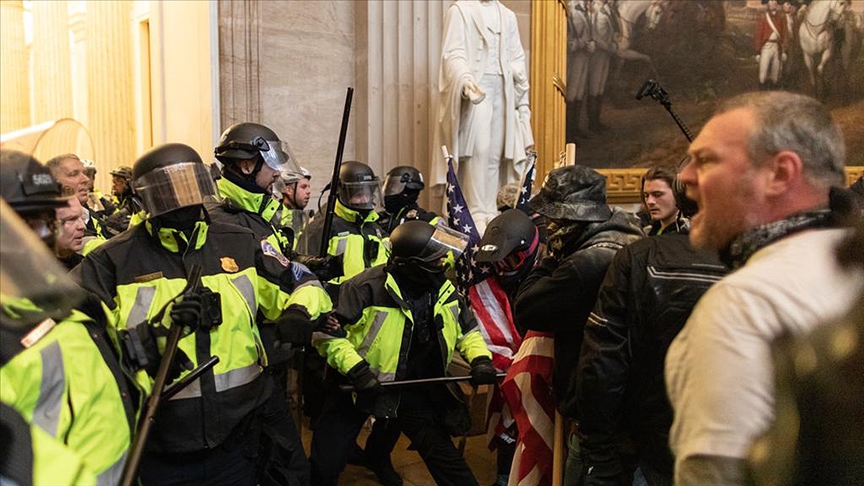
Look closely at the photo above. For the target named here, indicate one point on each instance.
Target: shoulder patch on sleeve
(301, 272)
(274, 252)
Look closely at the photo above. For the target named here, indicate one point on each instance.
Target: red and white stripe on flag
(528, 390)
(492, 310)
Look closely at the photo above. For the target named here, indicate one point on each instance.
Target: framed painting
(699, 52)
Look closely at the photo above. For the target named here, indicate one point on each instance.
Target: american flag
(488, 301)
(528, 390)
(527, 183)
(469, 271)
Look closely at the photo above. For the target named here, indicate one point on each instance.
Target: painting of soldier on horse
(702, 52)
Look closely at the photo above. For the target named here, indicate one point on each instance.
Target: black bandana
(746, 244)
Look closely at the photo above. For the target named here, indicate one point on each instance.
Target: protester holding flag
(510, 242)
(584, 233)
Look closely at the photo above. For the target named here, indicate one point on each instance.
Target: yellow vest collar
(168, 236)
(259, 203)
(351, 215)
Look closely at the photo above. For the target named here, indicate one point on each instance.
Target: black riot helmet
(244, 141)
(26, 184)
(359, 187)
(172, 176)
(403, 178)
(510, 241)
(422, 245)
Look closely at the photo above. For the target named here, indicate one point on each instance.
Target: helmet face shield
(175, 186)
(34, 285)
(360, 195)
(443, 241)
(277, 155)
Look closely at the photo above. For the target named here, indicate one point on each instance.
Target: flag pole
(558, 451)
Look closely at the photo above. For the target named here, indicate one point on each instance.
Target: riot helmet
(244, 141)
(35, 286)
(26, 184)
(419, 244)
(359, 187)
(510, 241)
(403, 178)
(172, 176)
(28, 187)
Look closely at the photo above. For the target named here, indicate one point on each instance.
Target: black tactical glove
(364, 380)
(140, 351)
(294, 326)
(325, 268)
(187, 313)
(482, 371)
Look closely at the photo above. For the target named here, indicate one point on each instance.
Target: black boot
(595, 103)
(574, 112)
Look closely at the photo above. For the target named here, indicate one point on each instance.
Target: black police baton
(421, 381)
(130, 469)
(653, 89)
(334, 180)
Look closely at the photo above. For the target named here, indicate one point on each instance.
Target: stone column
(14, 64)
(398, 54)
(78, 49)
(52, 69)
(109, 82)
(239, 68)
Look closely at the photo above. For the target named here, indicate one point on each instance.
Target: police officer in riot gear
(409, 319)
(64, 375)
(401, 189)
(253, 159)
(356, 234)
(30, 455)
(207, 433)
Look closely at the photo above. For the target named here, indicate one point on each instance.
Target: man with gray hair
(766, 173)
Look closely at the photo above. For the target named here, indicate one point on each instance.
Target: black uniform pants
(340, 422)
(231, 463)
(283, 459)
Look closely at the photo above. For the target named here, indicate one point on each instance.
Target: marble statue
(484, 119)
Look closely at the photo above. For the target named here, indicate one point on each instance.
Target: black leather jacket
(648, 293)
(559, 294)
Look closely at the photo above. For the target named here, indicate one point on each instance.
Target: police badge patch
(274, 252)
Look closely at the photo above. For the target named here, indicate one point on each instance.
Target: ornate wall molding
(623, 185)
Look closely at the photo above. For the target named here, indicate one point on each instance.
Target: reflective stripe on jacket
(64, 385)
(361, 240)
(140, 271)
(261, 213)
(379, 324)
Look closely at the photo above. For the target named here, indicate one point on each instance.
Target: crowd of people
(663, 326)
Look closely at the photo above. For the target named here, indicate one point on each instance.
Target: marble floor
(411, 467)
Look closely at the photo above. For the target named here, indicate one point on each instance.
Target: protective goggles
(360, 195)
(516, 259)
(175, 186)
